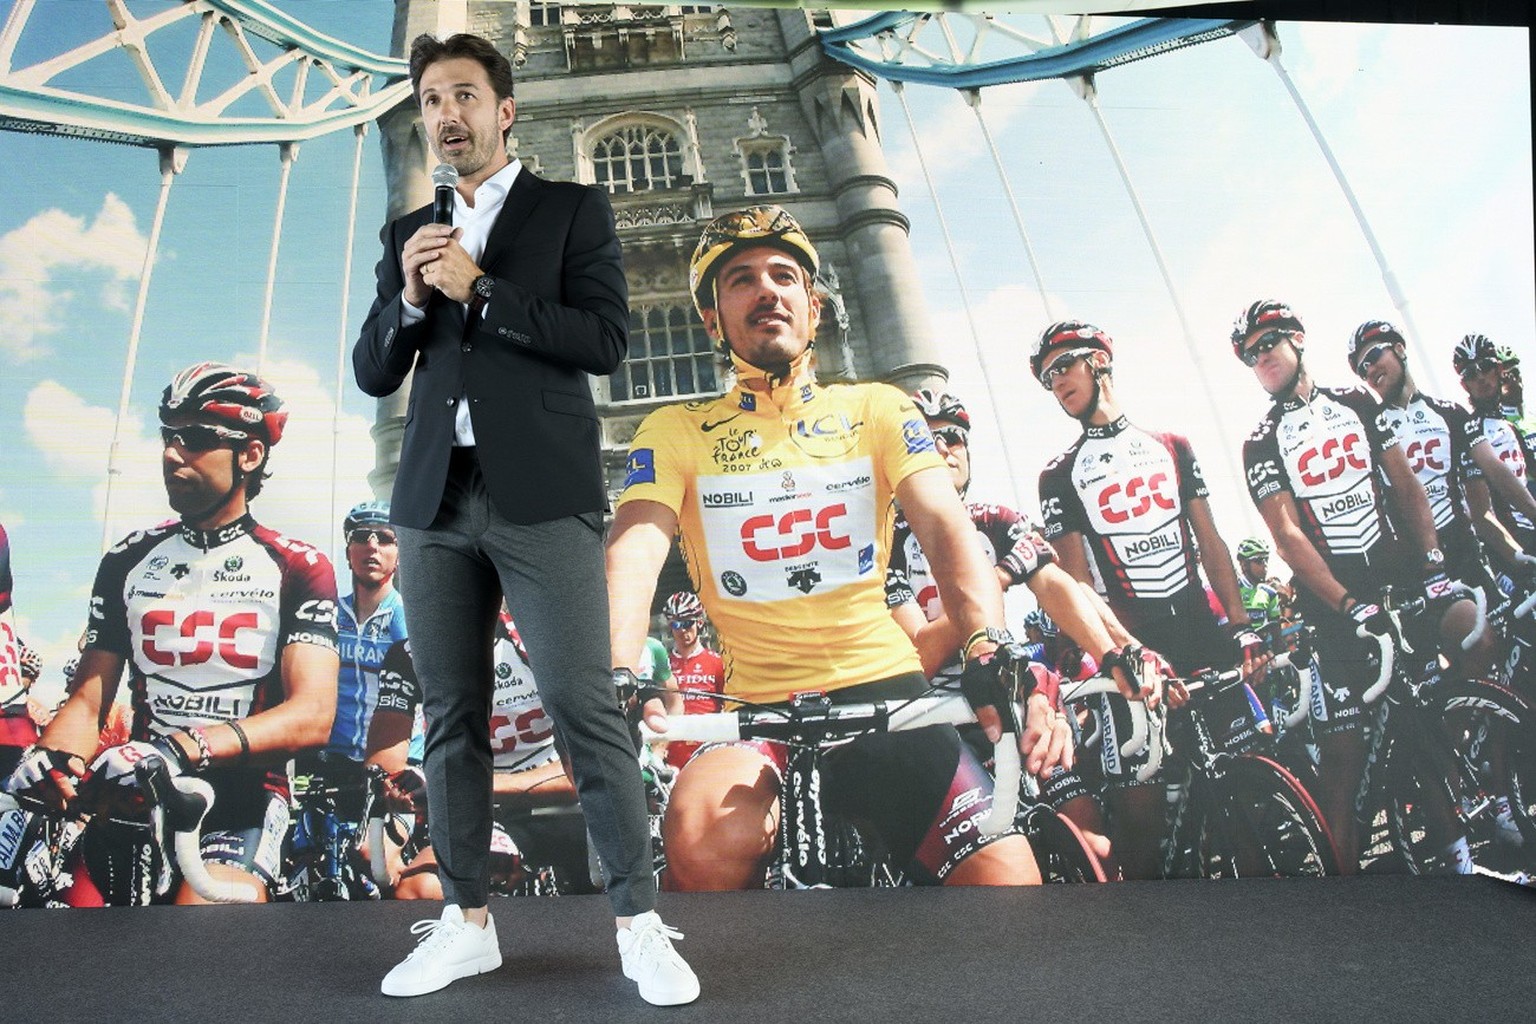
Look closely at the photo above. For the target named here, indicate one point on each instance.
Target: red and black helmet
(1068, 334)
(240, 402)
(1370, 334)
(941, 405)
(1265, 315)
(1471, 350)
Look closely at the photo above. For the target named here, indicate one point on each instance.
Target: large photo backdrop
(209, 187)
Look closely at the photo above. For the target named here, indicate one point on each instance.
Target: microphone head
(445, 175)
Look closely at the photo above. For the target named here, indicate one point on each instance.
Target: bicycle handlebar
(1388, 661)
(179, 805)
(1141, 728)
(840, 721)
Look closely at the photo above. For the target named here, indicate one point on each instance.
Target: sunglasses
(1062, 364)
(1368, 360)
(200, 437)
(684, 624)
(953, 437)
(1266, 342)
(363, 534)
(1479, 367)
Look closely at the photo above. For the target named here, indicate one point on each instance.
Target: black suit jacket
(560, 310)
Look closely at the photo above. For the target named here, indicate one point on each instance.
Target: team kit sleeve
(308, 606)
(1261, 464)
(1191, 478)
(107, 623)
(904, 442)
(1060, 510)
(398, 688)
(656, 470)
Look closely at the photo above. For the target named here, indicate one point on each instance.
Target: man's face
(464, 120)
(372, 554)
(1481, 382)
(1385, 370)
(1511, 388)
(1277, 358)
(954, 447)
(198, 464)
(1072, 382)
(765, 308)
(1256, 568)
(684, 633)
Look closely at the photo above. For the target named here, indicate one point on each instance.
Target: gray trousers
(453, 575)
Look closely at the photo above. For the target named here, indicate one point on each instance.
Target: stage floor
(1369, 948)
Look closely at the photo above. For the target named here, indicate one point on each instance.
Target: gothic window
(540, 14)
(638, 157)
(766, 168)
(669, 356)
(767, 172)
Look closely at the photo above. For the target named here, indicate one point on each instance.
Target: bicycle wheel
(1489, 728)
(1060, 850)
(1421, 787)
(1258, 821)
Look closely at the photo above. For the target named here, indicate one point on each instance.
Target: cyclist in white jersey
(227, 632)
(1477, 363)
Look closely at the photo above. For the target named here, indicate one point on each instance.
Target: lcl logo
(1121, 502)
(1336, 456)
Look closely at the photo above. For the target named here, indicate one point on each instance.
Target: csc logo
(530, 728)
(1118, 503)
(794, 534)
(196, 639)
(1336, 456)
(1426, 455)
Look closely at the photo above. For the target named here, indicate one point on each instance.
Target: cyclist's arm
(1502, 482)
(389, 740)
(300, 722)
(1072, 556)
(1118, 634)
(638, 543)
(1409, 502)
(544, 786)
(1280, 515)
(76, 727)
(1217, 561)
(1496, 539)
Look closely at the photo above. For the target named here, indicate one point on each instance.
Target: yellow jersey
(786, 501)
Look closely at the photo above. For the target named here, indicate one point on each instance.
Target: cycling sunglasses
(363, 534)
(685, 624)
(201, 437)
(953, 437)
(1368, 360)
(1481, 366)
(1266, 342)
(1062, 364)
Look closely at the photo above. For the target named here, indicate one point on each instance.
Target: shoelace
(434, 932)
(654, 939)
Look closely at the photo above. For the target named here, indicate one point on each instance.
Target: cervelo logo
(197, 638)
(1336, 455)
(1426, 455)
(794, 534)
(1119, 503)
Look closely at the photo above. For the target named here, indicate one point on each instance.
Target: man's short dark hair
(427, 49)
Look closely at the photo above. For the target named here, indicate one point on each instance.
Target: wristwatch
(1434, 560)
(480, 293)
(990, 634)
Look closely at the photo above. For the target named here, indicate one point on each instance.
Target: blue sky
(1431, 123)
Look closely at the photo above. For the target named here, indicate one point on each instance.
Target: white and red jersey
(998, 530)
(1127, 491)
(1437, 437)
(202, 617)
(1511, 449)
(13, 685)
(1323, 452)
(701, 671)
(522, 734)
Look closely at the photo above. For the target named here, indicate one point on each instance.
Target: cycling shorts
(1183, 631)
(923, 793)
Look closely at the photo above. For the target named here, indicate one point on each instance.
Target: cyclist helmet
(31, 662)
(941, 406)
(1506, 356)
(1372, 332)
(684, 606)
(241, 403)
(756, 225)
(1266, 314)
(1253, 547)
(1068, 334)
(1472, 349)
(366, 513)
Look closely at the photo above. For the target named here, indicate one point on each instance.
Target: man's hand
(421, 251)
(115, 765)
(50, 775)
(1255, 663)
(1438, 586)
(406, 790)
(1047, 740)
(1370, 619)
(997, 683)
(453, 273)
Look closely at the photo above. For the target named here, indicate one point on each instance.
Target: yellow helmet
(756, 225)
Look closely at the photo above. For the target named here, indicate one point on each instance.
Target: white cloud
(31, 302)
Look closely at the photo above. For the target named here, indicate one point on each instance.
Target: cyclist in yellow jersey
(782, 491)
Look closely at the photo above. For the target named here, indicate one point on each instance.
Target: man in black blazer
(500, 490)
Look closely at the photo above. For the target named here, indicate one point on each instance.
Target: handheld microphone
(445, 178)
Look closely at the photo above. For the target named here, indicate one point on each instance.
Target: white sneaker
(645, 949)
(450, 948)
